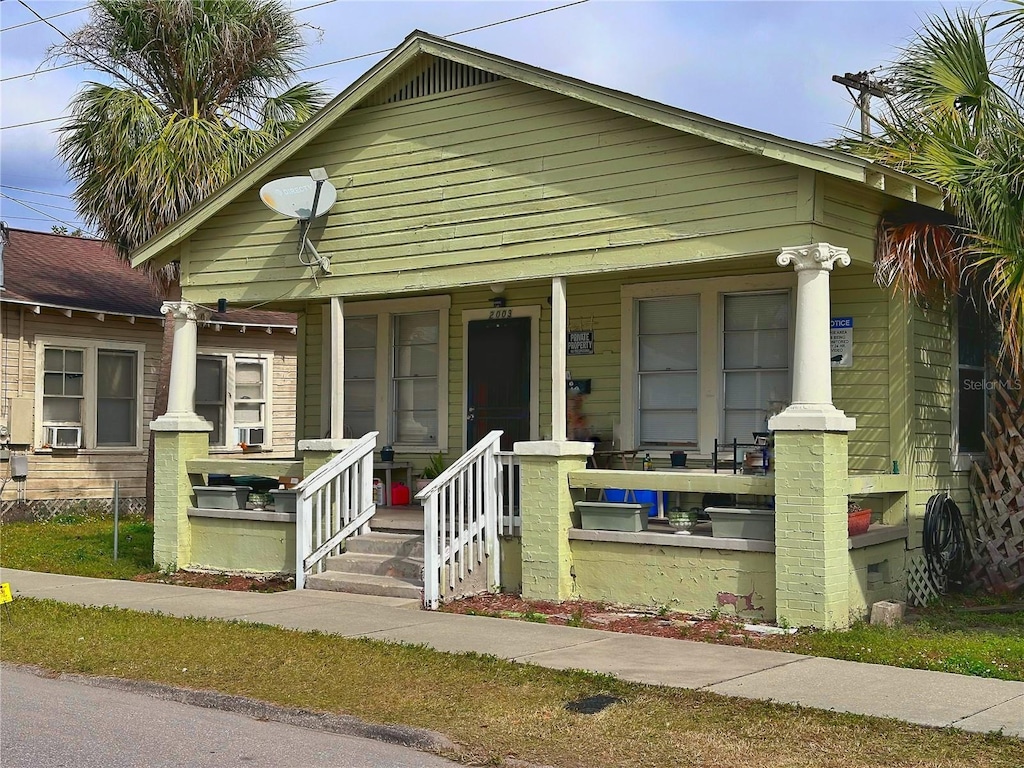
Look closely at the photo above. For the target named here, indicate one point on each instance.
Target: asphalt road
(46, 723)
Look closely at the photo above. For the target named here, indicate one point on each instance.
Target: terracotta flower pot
(858, 522)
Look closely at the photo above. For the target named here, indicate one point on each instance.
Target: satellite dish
(293, 197)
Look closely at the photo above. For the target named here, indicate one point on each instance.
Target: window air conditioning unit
(62, 437)
(251, 436)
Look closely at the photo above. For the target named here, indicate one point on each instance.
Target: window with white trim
(710, 359)
(233, 394)
(88, 394)
(395, 351)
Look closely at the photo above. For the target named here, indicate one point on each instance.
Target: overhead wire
(36, 21)
(44, 213)
(35, 191)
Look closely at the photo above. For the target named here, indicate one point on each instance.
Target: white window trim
(89, 390)
(531, 311)
(231, 356)
(711, 292)
(384, 310)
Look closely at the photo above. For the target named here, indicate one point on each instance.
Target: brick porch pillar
(546, 506)
(811, 460)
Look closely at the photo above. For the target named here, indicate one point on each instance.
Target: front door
(498, 380)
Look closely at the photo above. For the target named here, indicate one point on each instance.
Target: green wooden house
(607, 282)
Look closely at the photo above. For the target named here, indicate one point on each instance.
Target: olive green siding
(932, 440)
(502, 176)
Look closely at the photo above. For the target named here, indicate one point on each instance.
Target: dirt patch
(220, 581)
(711, 627)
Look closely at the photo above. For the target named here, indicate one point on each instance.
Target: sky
(764, 65)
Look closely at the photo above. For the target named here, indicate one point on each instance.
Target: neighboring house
(489, 208)
(80, 347)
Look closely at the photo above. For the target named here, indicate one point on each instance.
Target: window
(414, 379)
(394, 353)
(755, 348)
(668, 370)
(360, 370)
(710, 359)
(971, 392)
(89, 395)
(232, 394)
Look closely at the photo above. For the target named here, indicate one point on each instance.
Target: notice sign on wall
(580, 343)
(842, 342)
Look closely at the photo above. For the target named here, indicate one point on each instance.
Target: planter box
(730, 523)
(612, 516)
(284, 500)
(221, 496)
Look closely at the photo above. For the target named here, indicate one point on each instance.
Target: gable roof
(797, 153)
(76, 273)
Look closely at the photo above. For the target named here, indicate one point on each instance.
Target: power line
(36, 21)
(36, 191)
(44, 213)
(34, 122)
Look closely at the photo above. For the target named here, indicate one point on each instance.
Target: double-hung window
(232, 393)
(704, 359)
(394, 353)
(755, 347)
(89, 394)
(668, 370)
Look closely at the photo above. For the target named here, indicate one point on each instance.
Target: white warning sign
(842, 342)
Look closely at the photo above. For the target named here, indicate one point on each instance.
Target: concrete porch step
(365, 584)
(404, 545)
(407, 519)
(377, 565)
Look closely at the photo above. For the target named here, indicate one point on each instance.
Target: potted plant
(433, 468)
(683, 520)
(858, 519)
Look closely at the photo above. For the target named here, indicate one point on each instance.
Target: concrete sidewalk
(916, 696)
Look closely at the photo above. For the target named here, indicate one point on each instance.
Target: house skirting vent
(428, 76)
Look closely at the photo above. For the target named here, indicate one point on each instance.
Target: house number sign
(580, 343)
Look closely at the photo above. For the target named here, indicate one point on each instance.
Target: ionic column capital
(817, 256)
(185, 310)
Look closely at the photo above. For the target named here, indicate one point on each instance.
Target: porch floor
(408, 518)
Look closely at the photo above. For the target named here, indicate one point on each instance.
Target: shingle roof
(86, 274)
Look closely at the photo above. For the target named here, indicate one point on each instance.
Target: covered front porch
(510, 518)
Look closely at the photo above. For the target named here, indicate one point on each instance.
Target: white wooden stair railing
(462, 510)
(333, 503)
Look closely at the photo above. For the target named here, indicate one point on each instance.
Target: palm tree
(955, 117)
(199, 90)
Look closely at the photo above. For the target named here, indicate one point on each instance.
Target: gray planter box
(221, 496)
(284, 500)
(612, 516)
(730, 523)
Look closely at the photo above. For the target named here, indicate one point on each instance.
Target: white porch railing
(461, 516)
(508, 490)
(333, 503)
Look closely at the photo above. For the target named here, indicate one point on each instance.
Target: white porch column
(811, 407)
(181, 415)
(558, 329)
(337, 364)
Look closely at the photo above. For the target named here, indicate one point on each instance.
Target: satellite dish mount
(304, 198)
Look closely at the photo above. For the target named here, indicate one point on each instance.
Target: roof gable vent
(428, 76)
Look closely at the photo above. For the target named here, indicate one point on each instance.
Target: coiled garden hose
(946, 550)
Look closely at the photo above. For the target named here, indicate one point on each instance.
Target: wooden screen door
(498, 380)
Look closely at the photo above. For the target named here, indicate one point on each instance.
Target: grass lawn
(492, 708)
(79, 545)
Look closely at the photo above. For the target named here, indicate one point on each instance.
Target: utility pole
(866, 87)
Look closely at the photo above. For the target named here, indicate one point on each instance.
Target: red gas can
(400, 495)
